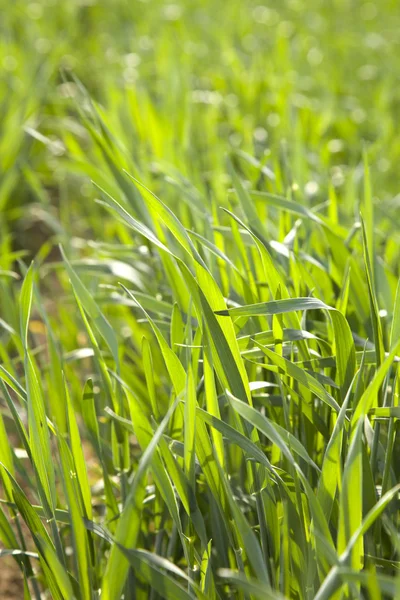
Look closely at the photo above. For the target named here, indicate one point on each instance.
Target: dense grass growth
(198, 371)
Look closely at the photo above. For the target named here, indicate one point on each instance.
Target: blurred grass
(304, 88)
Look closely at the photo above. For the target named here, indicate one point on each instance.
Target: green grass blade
(129, 522)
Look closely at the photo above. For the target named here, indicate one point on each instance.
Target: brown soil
(11, 582)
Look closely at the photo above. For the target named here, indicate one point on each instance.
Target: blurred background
(302, 87)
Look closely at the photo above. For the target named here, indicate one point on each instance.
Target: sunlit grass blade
(91, 308)
(129, 522)
(350, 504)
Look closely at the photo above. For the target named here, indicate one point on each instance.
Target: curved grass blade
(250, 586)
(345, 351)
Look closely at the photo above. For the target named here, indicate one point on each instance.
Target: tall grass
(199, 388)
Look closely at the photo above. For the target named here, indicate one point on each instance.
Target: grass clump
(198, 370)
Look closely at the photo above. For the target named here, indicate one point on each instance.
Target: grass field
(199, 299)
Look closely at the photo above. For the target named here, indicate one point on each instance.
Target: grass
(198, 370)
